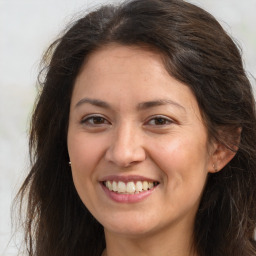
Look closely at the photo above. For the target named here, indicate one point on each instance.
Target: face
(137, 143)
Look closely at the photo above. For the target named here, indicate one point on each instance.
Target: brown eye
(97, 120)
(159, 120)
(94, 121)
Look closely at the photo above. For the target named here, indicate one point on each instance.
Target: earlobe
(215, 168)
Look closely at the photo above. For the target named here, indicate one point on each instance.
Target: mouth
(130, 187)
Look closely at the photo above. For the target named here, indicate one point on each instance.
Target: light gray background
(26, 29)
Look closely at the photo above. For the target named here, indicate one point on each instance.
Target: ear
(221, 154)
(220, 157)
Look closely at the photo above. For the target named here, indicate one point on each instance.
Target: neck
(172, 243)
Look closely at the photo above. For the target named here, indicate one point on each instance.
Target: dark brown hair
(196, 51)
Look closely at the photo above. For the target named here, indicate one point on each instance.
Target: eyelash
(166, 120)
(87, 120)
(163, 121)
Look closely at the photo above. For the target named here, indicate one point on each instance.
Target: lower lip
(127, 198)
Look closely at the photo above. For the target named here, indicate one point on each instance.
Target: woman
(143, 138)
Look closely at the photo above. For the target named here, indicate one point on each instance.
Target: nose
(126, 147)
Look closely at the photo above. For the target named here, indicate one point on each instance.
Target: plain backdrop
(26, 28)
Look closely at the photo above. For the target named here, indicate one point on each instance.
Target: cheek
(184, 164)
(84, 155)
(183, 160)
(85, 151)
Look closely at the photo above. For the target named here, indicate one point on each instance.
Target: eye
(159, 121)
(95, 120)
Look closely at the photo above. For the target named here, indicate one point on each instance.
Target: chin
(132, 227)
(129, 231)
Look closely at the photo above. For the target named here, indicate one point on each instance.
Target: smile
(131, 187)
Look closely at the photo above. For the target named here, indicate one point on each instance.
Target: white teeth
(109, 185)
(114, 186)
(145, 185)
(121, 187)
(150, 185)
(139, 186)
(130, 187)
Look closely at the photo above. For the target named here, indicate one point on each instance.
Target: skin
(167, 143)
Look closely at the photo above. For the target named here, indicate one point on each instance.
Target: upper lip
(127, 178)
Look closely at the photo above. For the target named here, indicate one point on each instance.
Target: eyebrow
(140, 106)
(159, 102)
(95, 102)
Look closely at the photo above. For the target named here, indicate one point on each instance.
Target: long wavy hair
(196, 51)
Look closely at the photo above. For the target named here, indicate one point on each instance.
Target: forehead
(134, 58)
(117, 72)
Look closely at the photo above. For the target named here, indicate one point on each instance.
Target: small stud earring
(215, 168)
(69, 163)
